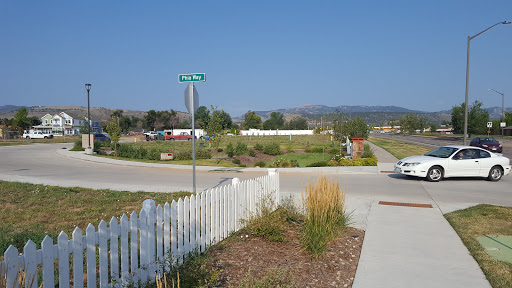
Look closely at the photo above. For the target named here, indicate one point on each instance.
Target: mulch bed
(259, 257)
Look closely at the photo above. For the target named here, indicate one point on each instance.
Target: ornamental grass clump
(325, 217)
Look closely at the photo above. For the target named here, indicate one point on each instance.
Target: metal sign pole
(191, 95)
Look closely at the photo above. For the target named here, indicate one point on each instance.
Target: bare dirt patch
(259, 257)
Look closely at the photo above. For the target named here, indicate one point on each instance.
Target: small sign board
(489, 124)
(503, 124)
(166, 156)
(196, 77)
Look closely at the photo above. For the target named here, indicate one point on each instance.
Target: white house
(61, 124)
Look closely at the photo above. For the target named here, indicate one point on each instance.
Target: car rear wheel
(495, 173)
(28, 137)
(435, 174)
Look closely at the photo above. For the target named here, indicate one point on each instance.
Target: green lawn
(304, 159)
(399, 149)
(479, 221)
(30, 211)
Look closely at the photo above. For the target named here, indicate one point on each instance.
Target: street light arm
(496, 92)
(504, 22)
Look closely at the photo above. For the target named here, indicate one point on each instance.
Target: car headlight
(484, 145)
(412, 164)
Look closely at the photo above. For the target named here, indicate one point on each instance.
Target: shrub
(318, 164)
(333, 163)
(260, 163)
(372, 161)
(317, 150)
(241, 148)
(78, 146)
(284, 164)
(259, 147)
(272, 149)
(230, 150)
(242, 165)
(367, 151)
(220, 150)
(252, 153)
(307, 149)
(333, 151)
(236, 161)
(294, 163)
(325, 203)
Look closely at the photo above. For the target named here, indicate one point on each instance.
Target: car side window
(484, 154)
(472, 154)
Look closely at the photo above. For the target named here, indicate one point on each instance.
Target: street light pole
(467, 82)
(502, 107)
(88, 87)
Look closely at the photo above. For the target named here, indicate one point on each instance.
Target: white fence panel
(63, 244)
(140, 243)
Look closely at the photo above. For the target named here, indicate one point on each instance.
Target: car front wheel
(435, 174)
(495, 174)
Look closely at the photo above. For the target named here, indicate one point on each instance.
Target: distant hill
(322, 109)
(7, 108)
(372, 115)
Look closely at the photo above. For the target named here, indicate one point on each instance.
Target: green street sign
(197, 77)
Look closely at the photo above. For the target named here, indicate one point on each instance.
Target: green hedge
(153, 153)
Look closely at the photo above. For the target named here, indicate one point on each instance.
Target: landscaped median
(274, 151)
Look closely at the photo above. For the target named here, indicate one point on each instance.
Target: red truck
(181, 136)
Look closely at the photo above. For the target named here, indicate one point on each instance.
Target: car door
(467, 165)
(486, 162)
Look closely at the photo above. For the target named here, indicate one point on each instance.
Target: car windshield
(488, 140)
(442, 152)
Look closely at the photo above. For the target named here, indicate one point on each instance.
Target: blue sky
(257, 55)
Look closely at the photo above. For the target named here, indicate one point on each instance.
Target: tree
(356, 127)
(508, 118)
(225, 119)
(117, 114)
(214, 127)
(21, 119)
(114, 132)
(297, 123)
(149, 120)
(252, 121)
(477, 118)
(174, 120)
(409, 123)
(125, 123)
(276, 121)
(202, 116)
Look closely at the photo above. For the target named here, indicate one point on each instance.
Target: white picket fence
(134, 248)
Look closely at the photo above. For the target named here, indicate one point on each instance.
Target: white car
(455, 161)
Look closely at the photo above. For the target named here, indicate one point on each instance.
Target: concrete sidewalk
(411, 246)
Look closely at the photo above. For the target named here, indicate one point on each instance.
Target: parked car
(101, 137)
(455, 161)
(487, 143)
(31, 134)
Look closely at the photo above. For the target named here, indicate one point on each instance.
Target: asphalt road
(41, 164)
